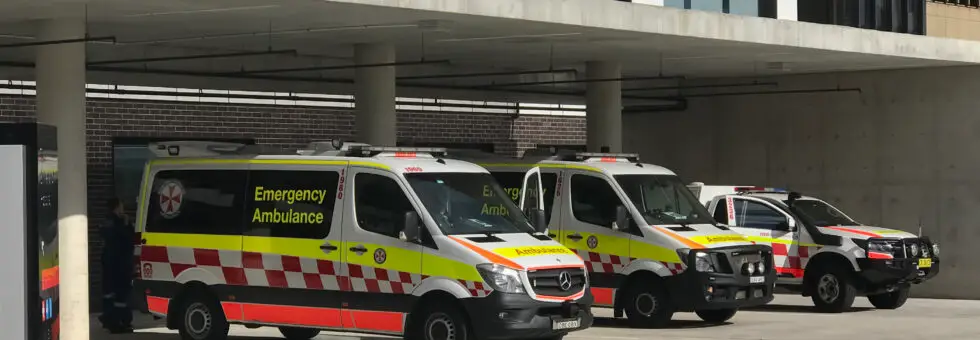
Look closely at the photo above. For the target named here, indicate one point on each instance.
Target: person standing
(117, 269)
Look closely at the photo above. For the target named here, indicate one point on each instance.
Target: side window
(721, 213)
(511, 183)
(593, 200)
(380, 204)
(294, 204)
(749, 214)
(197, 201)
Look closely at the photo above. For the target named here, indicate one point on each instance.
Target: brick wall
(286, 126)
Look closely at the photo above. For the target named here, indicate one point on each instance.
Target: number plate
(757, 279)
(566, 323)
(925, 263)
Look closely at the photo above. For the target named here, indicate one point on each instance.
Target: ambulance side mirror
(791, 224)
(622, 219)
(413, 227)
(539, 220)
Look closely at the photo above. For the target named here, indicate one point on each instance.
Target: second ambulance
(822, 252)
(347, 237)
(650, 247)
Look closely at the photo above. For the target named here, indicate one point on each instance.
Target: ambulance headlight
(500, 278)
(702, 263)
(935, 249)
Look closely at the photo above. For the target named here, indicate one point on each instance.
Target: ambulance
(820, 251)
(347, 237)
(650, 247)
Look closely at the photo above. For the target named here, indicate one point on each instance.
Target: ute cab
(650, 247)
(348, 237)
(822, 252)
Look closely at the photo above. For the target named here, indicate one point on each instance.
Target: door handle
(143, 241)
(328, 247)
(359, 249)
(575, 236)
(552, 235)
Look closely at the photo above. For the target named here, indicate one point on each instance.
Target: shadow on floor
(675, 324)
(797, 309)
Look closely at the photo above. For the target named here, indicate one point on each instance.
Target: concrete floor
(788, 317)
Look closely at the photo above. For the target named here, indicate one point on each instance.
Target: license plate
(566, 324)
(757, 279)
(925, 263)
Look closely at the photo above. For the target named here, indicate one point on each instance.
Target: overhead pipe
(486, 74)
(706, 86)
(727, 94)
(192, 57)
(344, 67)
(575, 81)
(58, 42)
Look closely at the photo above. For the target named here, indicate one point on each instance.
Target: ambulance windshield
(663, 199)
(468, 203)
(821, 214)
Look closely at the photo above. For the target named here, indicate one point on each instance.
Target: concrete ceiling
(324, 32)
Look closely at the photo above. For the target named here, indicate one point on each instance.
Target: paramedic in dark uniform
(117, 269)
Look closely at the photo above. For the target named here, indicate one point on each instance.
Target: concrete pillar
(60, 76)
(604, 106)
(374, 95)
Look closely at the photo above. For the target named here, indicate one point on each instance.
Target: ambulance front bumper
(881, 273)
(726, 288)
(518, 316)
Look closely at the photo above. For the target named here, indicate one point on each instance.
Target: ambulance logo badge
(380, 256)
(171, 195)
(147, 270)
(592, 242)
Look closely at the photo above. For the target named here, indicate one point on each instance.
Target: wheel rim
(440, 327)
(828, 288)
(645, 304)
(197, 320)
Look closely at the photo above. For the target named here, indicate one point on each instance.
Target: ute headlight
(915, 249)
(760, 268)
(881, 247)
(935, 249)
(702, 263)
(500, 278)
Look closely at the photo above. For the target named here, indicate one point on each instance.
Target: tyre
(296, 333)
(892, 300)
(716, 315)
(439, 321)
(833, 291)
(201, 318)
(647, 305)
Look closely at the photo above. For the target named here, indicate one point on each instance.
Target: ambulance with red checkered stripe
(650, 247)
(820, 251)
(349, 237)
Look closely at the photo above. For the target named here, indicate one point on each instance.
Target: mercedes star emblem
(564, 281)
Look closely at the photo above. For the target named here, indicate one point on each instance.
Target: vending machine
(29, 246)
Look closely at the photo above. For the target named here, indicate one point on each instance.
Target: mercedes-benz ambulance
(348, 237)
(650, 247)
(820, 251)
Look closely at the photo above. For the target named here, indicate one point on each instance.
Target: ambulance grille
(546, 282)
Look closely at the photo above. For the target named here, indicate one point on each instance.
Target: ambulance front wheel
(647, 304)
(716, 315)
(440, 321)
(296, 333)
(201, 318)
(833, 290)
(892, 300)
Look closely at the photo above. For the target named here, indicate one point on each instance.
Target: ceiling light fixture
(203, 11)
(505, 37)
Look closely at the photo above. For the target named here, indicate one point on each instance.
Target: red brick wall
(288, 126)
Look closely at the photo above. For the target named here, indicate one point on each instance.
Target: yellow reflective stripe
(647, 251)
(248, 161)
(435, 265)
(611, 245)
(200, 241)
(298, 247)
(780, 241)
(533, 251)
(889, 231)
(712, 239)
(399, 259)
(370, 165)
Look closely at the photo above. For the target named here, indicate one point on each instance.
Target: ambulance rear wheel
(647, 305)
(201, 318)
(441, 321)
(296, 333)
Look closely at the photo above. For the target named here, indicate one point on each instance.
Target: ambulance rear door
(292, 255)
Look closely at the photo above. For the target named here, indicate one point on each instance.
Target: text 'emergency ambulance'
(289, 196)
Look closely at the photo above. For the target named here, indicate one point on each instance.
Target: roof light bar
(400, 152)
(759, 189)
(606, 157)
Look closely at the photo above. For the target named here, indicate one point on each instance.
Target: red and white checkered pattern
(606, 263)
(283, 271)
(793, 257)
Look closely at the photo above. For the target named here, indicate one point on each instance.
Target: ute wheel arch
(820, 261)
(634, 278)
(187, 289)
(430, 298)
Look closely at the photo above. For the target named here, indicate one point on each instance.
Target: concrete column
(60, 76)
(604, 106)
(374, 95)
